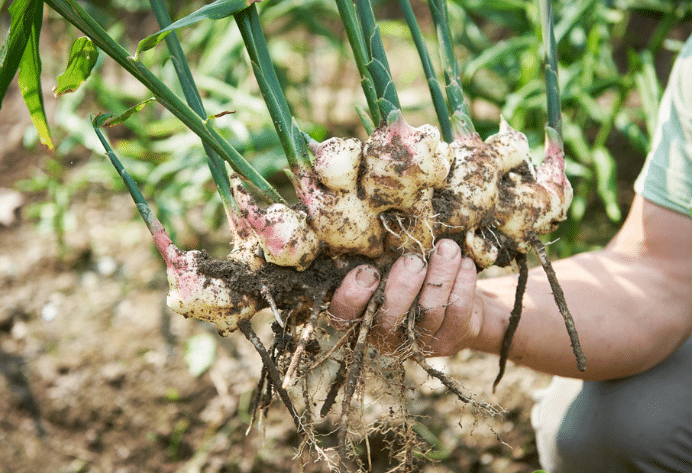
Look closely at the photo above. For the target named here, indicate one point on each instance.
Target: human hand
(447, 285)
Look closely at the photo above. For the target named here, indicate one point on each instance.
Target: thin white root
(305, 335)
(267, 295)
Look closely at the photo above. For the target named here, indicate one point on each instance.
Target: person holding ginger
(631, 410)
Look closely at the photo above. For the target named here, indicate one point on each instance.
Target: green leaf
(83, 57)
(606, 169)
(22, 13)
(107, 120)
(200, 353)
(649, 90)
(29, 79)
(214, 11)
(497, 53)
(150, 42)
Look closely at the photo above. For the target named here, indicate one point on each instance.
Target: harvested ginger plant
(397, 192)
(371, 201)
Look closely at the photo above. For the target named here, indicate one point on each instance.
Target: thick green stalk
(348, 16)
(387, 97)
(433, 84)
(216, 165)
(551, 83)
(75, 14)
(450, 65)
(290, 136)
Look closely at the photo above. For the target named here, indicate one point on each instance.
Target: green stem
(162, 241)
(125, 176)
(215, 163)
(388, 99)
(551, 83)
(433, 84)
(290, 136)
(142, 205)
(347, 13)
(75, 14)
(450, 65)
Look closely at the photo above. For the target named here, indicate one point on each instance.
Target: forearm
(631, 302)
(618, 305)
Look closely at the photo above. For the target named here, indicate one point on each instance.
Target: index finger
(352, 296)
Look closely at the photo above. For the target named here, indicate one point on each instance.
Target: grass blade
(495, 53)
(110, 120)
(161, 238)
(77, 16)
(378, 66)
(354, 33)
(22, 14)
(551, 83)
(193, 98)
(129, 182)
(649, 90)
(606, 179)
(450, 66)
(214, 11)
(29, 79)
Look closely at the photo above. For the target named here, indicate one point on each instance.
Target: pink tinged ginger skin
(551, 175)
(343, 221)
(473, 185)
(403, 166)
(535, 205)
(472, 182)
(192, 294)
(283, 233)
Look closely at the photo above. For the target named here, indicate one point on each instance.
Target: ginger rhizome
(398, 191)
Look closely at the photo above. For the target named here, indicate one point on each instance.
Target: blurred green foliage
(610, 79)
(610, 86)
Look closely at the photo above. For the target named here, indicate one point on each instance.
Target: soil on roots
(310, 365)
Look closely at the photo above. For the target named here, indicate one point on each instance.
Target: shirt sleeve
(666, 178)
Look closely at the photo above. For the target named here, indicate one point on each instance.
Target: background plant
(609, 85)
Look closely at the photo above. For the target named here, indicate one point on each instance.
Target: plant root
(274, 375)
(334, 348)
(356, 367)
(414, 352)
(339, 381)
(264, 290)
(514, 317)
(305, 335)
(559, 296)
(257, 399)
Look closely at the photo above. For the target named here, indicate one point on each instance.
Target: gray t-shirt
(667, 175)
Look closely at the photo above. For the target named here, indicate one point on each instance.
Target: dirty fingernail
(467, 263)
(414, 264)
(447, 249)
(367, 277)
